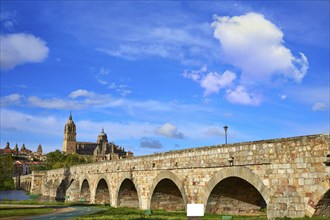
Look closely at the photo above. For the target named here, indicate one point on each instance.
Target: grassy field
(136, 214)
(122, 213)
(23, 211)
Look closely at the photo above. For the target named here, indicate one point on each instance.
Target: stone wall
(23, 182)
(288, 175)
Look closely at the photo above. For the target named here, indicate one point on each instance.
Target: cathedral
(102, 149)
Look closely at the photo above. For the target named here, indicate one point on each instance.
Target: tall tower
(69, 142)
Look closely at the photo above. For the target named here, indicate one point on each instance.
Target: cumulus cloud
(211, 82)
(149, 143)
(214, 81)
(241, 96)
(256, 46)
(195, 75)
(169, 130)
(13, 99)
(20, 48)
(319, 106)
(80, 93)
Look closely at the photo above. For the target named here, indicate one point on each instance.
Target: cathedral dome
(102, 136)
(70, 121)
(70, 126)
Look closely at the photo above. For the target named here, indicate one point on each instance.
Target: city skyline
(162, 76)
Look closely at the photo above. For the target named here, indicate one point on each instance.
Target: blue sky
(163, 75)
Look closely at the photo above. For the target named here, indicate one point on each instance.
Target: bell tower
(69, 142)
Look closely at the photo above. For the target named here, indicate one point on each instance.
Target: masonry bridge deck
(286, 177)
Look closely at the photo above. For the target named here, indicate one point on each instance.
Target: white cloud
(132, 51)
(81, 93)
(13, 99)
(149, 143)
(241, 96)
(255, 45)
(29, 123)
(122, 89)
(282, 97)
(17, 49)
(214, 81)
(319, 106)
(169, 130)
(211, 82)
(10, 25)
(188, 44)
(195, 75)
(54, 103)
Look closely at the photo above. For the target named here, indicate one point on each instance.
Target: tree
(57, 159)
(6, 172)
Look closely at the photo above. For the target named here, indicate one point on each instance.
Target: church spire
(70, 118)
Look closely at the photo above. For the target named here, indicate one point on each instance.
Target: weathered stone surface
(289, 175)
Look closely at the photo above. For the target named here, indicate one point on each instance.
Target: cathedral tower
(69, 143)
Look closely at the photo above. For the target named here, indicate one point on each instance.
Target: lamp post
(225, 128)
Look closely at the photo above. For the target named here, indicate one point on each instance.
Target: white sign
(194, 210)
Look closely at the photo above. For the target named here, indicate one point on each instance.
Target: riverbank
(41, 212)
(11, 211)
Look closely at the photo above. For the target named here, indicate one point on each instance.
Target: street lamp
(225, 128)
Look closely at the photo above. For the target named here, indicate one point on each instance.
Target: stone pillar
(37, 182)
(144, 203)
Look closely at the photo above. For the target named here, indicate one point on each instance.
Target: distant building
(23, 159)
(102, 149)
(23, 153)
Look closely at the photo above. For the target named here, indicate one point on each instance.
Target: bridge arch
(319, 202)
(102, 191)
(85, 190)
(61, 190)
(218, 193)
(127, 194)
(167, 192)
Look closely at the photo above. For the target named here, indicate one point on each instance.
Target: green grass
(136, 214)
(24, 211)
(119, 213)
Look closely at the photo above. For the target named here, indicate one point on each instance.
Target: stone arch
(85, 191)
(61, 190)
(102, 191)
(171, 182)
(315, 201)
(127, 194)
(72, 191)
(236, 175)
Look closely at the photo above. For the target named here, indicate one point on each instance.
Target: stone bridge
(285, 177)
